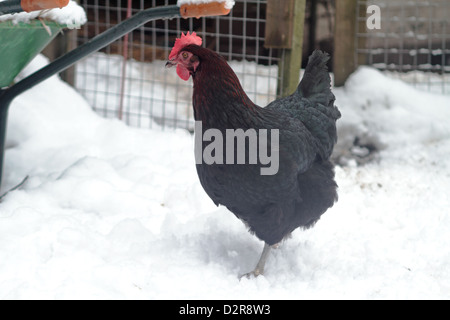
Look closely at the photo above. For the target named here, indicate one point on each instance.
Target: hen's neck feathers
(218, 98)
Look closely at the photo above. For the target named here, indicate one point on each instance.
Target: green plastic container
(20, 43)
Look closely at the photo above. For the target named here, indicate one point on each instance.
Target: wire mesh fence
(412, 43)
(128, 79)
(146, 92)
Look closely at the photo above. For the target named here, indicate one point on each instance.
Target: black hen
(303, 187)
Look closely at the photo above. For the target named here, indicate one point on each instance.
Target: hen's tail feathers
(315, 84)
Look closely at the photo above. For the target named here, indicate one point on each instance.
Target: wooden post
(345, 60)
(62, 44)
(312, 26)
(68, 75)
(284, 29)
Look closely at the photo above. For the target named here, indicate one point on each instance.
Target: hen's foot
(259, 270)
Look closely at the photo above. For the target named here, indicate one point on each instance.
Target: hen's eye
(184, 55)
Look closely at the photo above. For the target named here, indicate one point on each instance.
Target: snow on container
(24, 35)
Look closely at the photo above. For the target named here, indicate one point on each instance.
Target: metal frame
(7, 95)
(10, 6)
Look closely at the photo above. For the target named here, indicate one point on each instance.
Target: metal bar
(3, 123)
(7, 95)
(91, 46)
(10, 6)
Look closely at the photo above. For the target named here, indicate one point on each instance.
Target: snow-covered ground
(115, 212)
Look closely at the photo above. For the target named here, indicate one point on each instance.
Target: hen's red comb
(183, 41)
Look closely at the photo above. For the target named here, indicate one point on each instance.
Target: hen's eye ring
(185, 55)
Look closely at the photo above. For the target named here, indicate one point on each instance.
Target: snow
(72, 15)
(115, 212)
(229, 4)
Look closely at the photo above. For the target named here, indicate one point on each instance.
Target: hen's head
(186, 62)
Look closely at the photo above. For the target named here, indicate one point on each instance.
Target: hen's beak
(171, 63)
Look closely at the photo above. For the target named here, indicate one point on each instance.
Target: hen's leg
(261, 263)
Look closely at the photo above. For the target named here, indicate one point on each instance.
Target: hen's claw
(255, 273)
